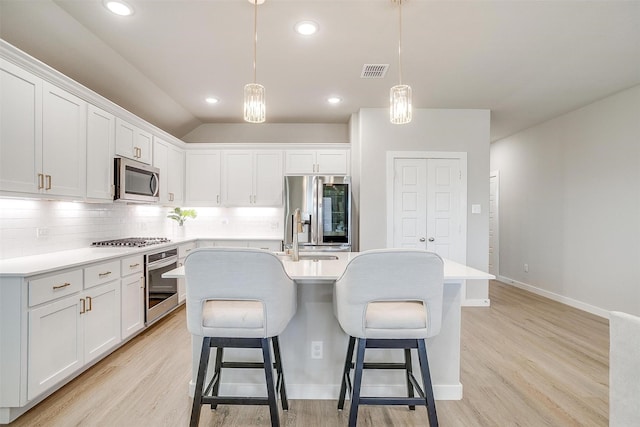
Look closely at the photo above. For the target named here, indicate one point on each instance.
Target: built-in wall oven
(161, 294)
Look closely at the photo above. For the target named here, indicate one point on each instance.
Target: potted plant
(181, 215)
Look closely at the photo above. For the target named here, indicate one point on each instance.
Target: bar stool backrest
(239, 274)
(390, 275)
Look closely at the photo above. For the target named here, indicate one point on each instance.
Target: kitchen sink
(319, 257)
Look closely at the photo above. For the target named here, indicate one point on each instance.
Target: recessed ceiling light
(118, 7)
(334, 100)
(306, 28)
(212, 100)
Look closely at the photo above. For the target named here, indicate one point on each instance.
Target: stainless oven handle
(162, 263)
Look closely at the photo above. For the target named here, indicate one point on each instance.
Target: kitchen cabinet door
(100, 153)
(176, 175)
(21, 129)
(237, 178)
(55, 343)
(132, 299)
(101, 319)
(320, 162)
(161, 161)
(132, 142)
(64, 142)
(268, 180)
(202, 173)
(252, 178)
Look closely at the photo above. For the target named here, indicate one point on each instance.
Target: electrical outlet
(526, 268)
(42, 232)
(316, 349)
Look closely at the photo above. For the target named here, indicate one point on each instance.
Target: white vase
(179, 231)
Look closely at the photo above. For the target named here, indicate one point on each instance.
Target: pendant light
(400, 95)
(254, 103)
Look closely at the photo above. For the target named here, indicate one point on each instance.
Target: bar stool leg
(268, 373)
(202, 372)
(409, 371)
(426, 383)
(357, 381)
(280, 383)
(217, 374)
(345, 373)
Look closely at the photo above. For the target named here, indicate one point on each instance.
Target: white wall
(71, 225)
(430, 130)
(277, 133)
(570, 206)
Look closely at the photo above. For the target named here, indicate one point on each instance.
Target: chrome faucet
(297, 228)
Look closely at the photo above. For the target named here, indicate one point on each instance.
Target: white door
(132, 298)
(427, 206)
(101, 319)
(237, 178)
(100, 151)
(202, 173)
(493, 224)
(444, 232)
(410, 203)
(267, 181)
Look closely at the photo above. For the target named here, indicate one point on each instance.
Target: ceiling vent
(374, 71)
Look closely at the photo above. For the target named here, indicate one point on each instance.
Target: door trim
(461, 156)
(496, 238)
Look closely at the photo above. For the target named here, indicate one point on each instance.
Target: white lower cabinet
(66, 334)
(132, 296)
(56, 347)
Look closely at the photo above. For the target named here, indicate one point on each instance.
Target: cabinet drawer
(101, 273)
(184, 250)
(51, 287)
(131, 265)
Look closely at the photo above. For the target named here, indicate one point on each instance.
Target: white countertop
(331, 270)
(45, 263)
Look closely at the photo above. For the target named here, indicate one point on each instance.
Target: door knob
(422, 239)
(431, 239)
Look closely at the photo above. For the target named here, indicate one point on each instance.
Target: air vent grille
(374, 71)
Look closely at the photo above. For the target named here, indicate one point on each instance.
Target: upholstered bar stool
(238, 298)
(390, 299)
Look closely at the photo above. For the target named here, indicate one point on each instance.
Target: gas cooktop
(137, 242)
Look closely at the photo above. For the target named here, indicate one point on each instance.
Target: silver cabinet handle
(422, 239)
(134, 265)
(431, 239)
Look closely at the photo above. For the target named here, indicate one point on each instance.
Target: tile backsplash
(31, 227)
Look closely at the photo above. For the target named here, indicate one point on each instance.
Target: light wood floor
(526, 361)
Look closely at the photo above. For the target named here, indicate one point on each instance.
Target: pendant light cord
(255, 37)
(400, 39)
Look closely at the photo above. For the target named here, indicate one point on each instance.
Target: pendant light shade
(400, 99)
(400, 95)
(254, 101)
(254, 105)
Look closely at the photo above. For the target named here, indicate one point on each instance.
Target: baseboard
(556, 297)
(478, 302)
(331, 391)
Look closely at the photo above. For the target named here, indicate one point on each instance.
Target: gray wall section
(570, 205)
(430, 130)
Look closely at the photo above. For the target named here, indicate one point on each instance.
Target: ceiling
(526, 61)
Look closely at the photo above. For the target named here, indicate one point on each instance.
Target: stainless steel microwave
(135, 181)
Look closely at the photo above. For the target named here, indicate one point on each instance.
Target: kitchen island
(313, 346)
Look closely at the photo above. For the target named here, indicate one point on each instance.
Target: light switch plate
(476, 209)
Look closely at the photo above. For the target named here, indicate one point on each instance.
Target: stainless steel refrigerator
(325, 205)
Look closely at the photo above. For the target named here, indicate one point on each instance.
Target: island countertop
(324, 270)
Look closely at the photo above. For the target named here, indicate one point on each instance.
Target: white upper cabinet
(21, 129)
(202, 175)
(64, 142)
(170, 161)
(43, 136)
(317, 162)
(100, 153)
(132, 142)
(252, 178)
